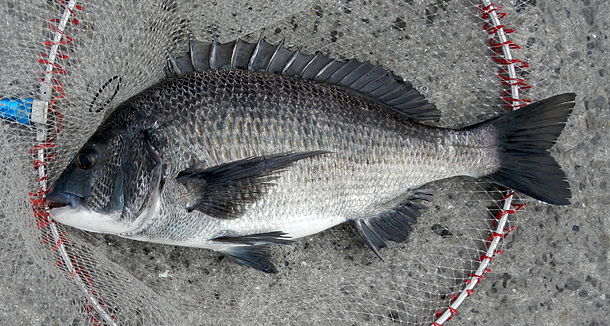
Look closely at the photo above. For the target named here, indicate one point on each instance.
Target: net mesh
(111, 50)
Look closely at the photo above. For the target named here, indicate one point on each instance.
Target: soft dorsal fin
(373, 82)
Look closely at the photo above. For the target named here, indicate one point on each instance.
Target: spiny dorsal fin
(373, 82)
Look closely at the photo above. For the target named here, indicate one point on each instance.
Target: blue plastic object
(17, 110)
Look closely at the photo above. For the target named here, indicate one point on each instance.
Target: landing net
(65, 65)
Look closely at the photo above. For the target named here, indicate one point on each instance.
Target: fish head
(111, 185)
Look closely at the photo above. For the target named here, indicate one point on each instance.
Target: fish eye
(86, 160)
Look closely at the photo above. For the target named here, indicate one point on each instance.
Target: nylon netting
(102, 52)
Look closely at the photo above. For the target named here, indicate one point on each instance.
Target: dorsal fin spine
(309, 64)
(212, 54)
(273, 56)
(234, 54)
(340, 81)
(255, 53)
(323, 70)
(336, 77)
(295, 55)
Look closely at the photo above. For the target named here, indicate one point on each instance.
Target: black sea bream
(254, 144)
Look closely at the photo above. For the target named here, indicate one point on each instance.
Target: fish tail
(524, 138)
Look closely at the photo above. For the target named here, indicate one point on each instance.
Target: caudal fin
(525, 136)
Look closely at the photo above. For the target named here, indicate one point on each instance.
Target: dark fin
(368, 80)
(276, 237)
(225, 190)
(524, 137)
(241, 55)
(392, 225)
(256, 257)
(252, 250)
(197, 59)
(179, 66)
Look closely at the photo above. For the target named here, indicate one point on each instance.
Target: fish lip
(62, 199)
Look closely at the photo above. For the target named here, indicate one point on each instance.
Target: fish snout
(60, 199)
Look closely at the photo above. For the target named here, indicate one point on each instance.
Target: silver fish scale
(214, 117)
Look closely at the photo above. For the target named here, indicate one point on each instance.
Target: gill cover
(112, 184)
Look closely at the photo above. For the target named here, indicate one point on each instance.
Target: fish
(248, 145)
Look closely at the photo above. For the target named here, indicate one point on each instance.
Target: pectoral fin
(225, 190)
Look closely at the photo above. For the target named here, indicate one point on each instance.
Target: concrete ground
(554, 269)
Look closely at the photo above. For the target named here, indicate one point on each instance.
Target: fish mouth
(62, 199)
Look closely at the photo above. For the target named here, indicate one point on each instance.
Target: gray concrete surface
(554, 270)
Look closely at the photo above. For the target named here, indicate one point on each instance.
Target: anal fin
(394, 224)
(253, 250)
